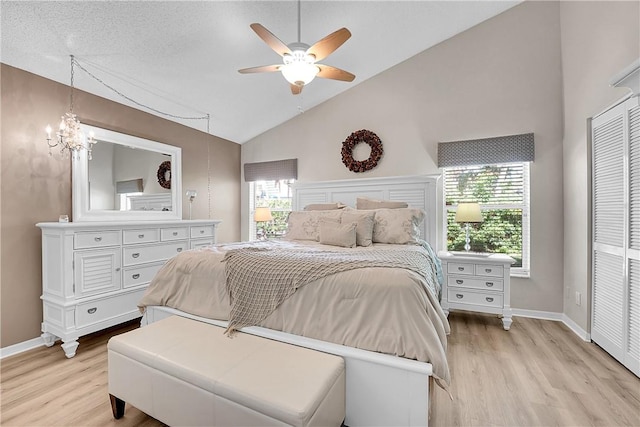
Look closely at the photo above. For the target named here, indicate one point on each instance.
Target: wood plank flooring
(537, 374)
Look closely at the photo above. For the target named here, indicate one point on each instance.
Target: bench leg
(117, 407)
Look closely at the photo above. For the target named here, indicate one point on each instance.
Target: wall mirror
(128, 178)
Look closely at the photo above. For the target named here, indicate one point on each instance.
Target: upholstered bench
(184, 372)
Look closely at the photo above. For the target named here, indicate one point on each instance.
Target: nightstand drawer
(468, 282)
(459, 296)
(202, 231)
(460, 268)
(490, 270)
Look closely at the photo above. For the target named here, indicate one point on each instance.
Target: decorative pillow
(397, 226)
(324, 206)
(364, 227)
(335, 234)
(366, 203)
(303, 225)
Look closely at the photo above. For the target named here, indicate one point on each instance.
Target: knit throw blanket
(260, 279)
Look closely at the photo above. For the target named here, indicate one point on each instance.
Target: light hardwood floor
(537, 374)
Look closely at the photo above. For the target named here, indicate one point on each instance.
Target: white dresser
(477, 282)
(94, 273)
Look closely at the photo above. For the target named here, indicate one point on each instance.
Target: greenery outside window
(278, 196)
(502, 190)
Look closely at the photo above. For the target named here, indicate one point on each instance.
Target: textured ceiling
(182, 57)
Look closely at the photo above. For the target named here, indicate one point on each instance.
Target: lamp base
(467, 245)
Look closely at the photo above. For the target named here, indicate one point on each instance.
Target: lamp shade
(262, 214)
(468, 212)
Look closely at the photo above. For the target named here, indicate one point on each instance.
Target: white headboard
(418, 191)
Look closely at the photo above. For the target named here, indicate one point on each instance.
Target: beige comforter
(388, 310)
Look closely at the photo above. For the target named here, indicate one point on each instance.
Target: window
(277, 195)
(502, 190)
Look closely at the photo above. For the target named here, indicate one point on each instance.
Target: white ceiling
(182, 57)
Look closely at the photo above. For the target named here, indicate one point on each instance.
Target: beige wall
(501, 77)
(598, 40)
(36, 187)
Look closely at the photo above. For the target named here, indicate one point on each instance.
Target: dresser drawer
(473, 282)
(146, 235)
(96, 239)
(460, 268)
(174, 233)
(101, 310)
(138, 275)
(145, 254)
(490, 270)
(202, 231)
(195, 244)
(460, 296)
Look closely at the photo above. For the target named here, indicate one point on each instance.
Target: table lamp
(262, 214)
(468, 213)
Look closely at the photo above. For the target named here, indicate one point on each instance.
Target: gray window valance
(487, 151)
(131, 186)
(271, 171)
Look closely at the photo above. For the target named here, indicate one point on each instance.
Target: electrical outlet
(578, 298)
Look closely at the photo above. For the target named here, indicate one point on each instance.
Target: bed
(383, 317)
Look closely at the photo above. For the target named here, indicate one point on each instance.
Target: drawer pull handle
(489, 284)
(118, 269)
(459, 282)
(97, 239)
(201, 231)
(92, 310)
(460, 268)
(459, 296)
(489, 299)
(136, 255)
(140, 236)
(136, 276)
(487, 270)
(179, 249)
(175, 233)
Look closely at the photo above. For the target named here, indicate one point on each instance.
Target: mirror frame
(80, 180)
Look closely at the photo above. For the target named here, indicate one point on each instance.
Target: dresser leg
(69, 348)
(49, 339)
(506, 323)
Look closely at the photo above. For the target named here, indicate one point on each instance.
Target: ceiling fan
(299, 65)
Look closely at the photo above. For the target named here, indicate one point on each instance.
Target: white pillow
(398, 226)
(364, 227)
(332, 233)
(366, 203)
(303, 225)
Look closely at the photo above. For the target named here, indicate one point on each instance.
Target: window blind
(495, 184)
(487, 151)
(271, 171)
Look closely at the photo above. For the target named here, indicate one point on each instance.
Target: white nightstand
(477, 282)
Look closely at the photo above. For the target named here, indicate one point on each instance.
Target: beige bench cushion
(279, 380)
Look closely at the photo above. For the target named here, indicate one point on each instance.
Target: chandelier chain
(139, 104)
(71, 91)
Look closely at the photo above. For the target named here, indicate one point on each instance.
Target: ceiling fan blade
(329, 72)
(296, 89)
(274, 43)
(327, 45)
(262, 69)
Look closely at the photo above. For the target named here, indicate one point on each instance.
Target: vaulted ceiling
(182, 57)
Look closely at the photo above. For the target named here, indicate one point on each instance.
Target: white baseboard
(21, 347)
(558, 317)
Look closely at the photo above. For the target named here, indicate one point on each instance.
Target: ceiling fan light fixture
(299, 72)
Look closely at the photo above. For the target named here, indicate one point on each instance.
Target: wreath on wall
(164, 175)
(367, 137)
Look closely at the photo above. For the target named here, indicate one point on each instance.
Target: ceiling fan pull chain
(298, 21)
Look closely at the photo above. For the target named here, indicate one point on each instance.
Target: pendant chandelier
(69, 136)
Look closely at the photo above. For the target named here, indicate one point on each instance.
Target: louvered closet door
(632, 360)
(615, 322)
